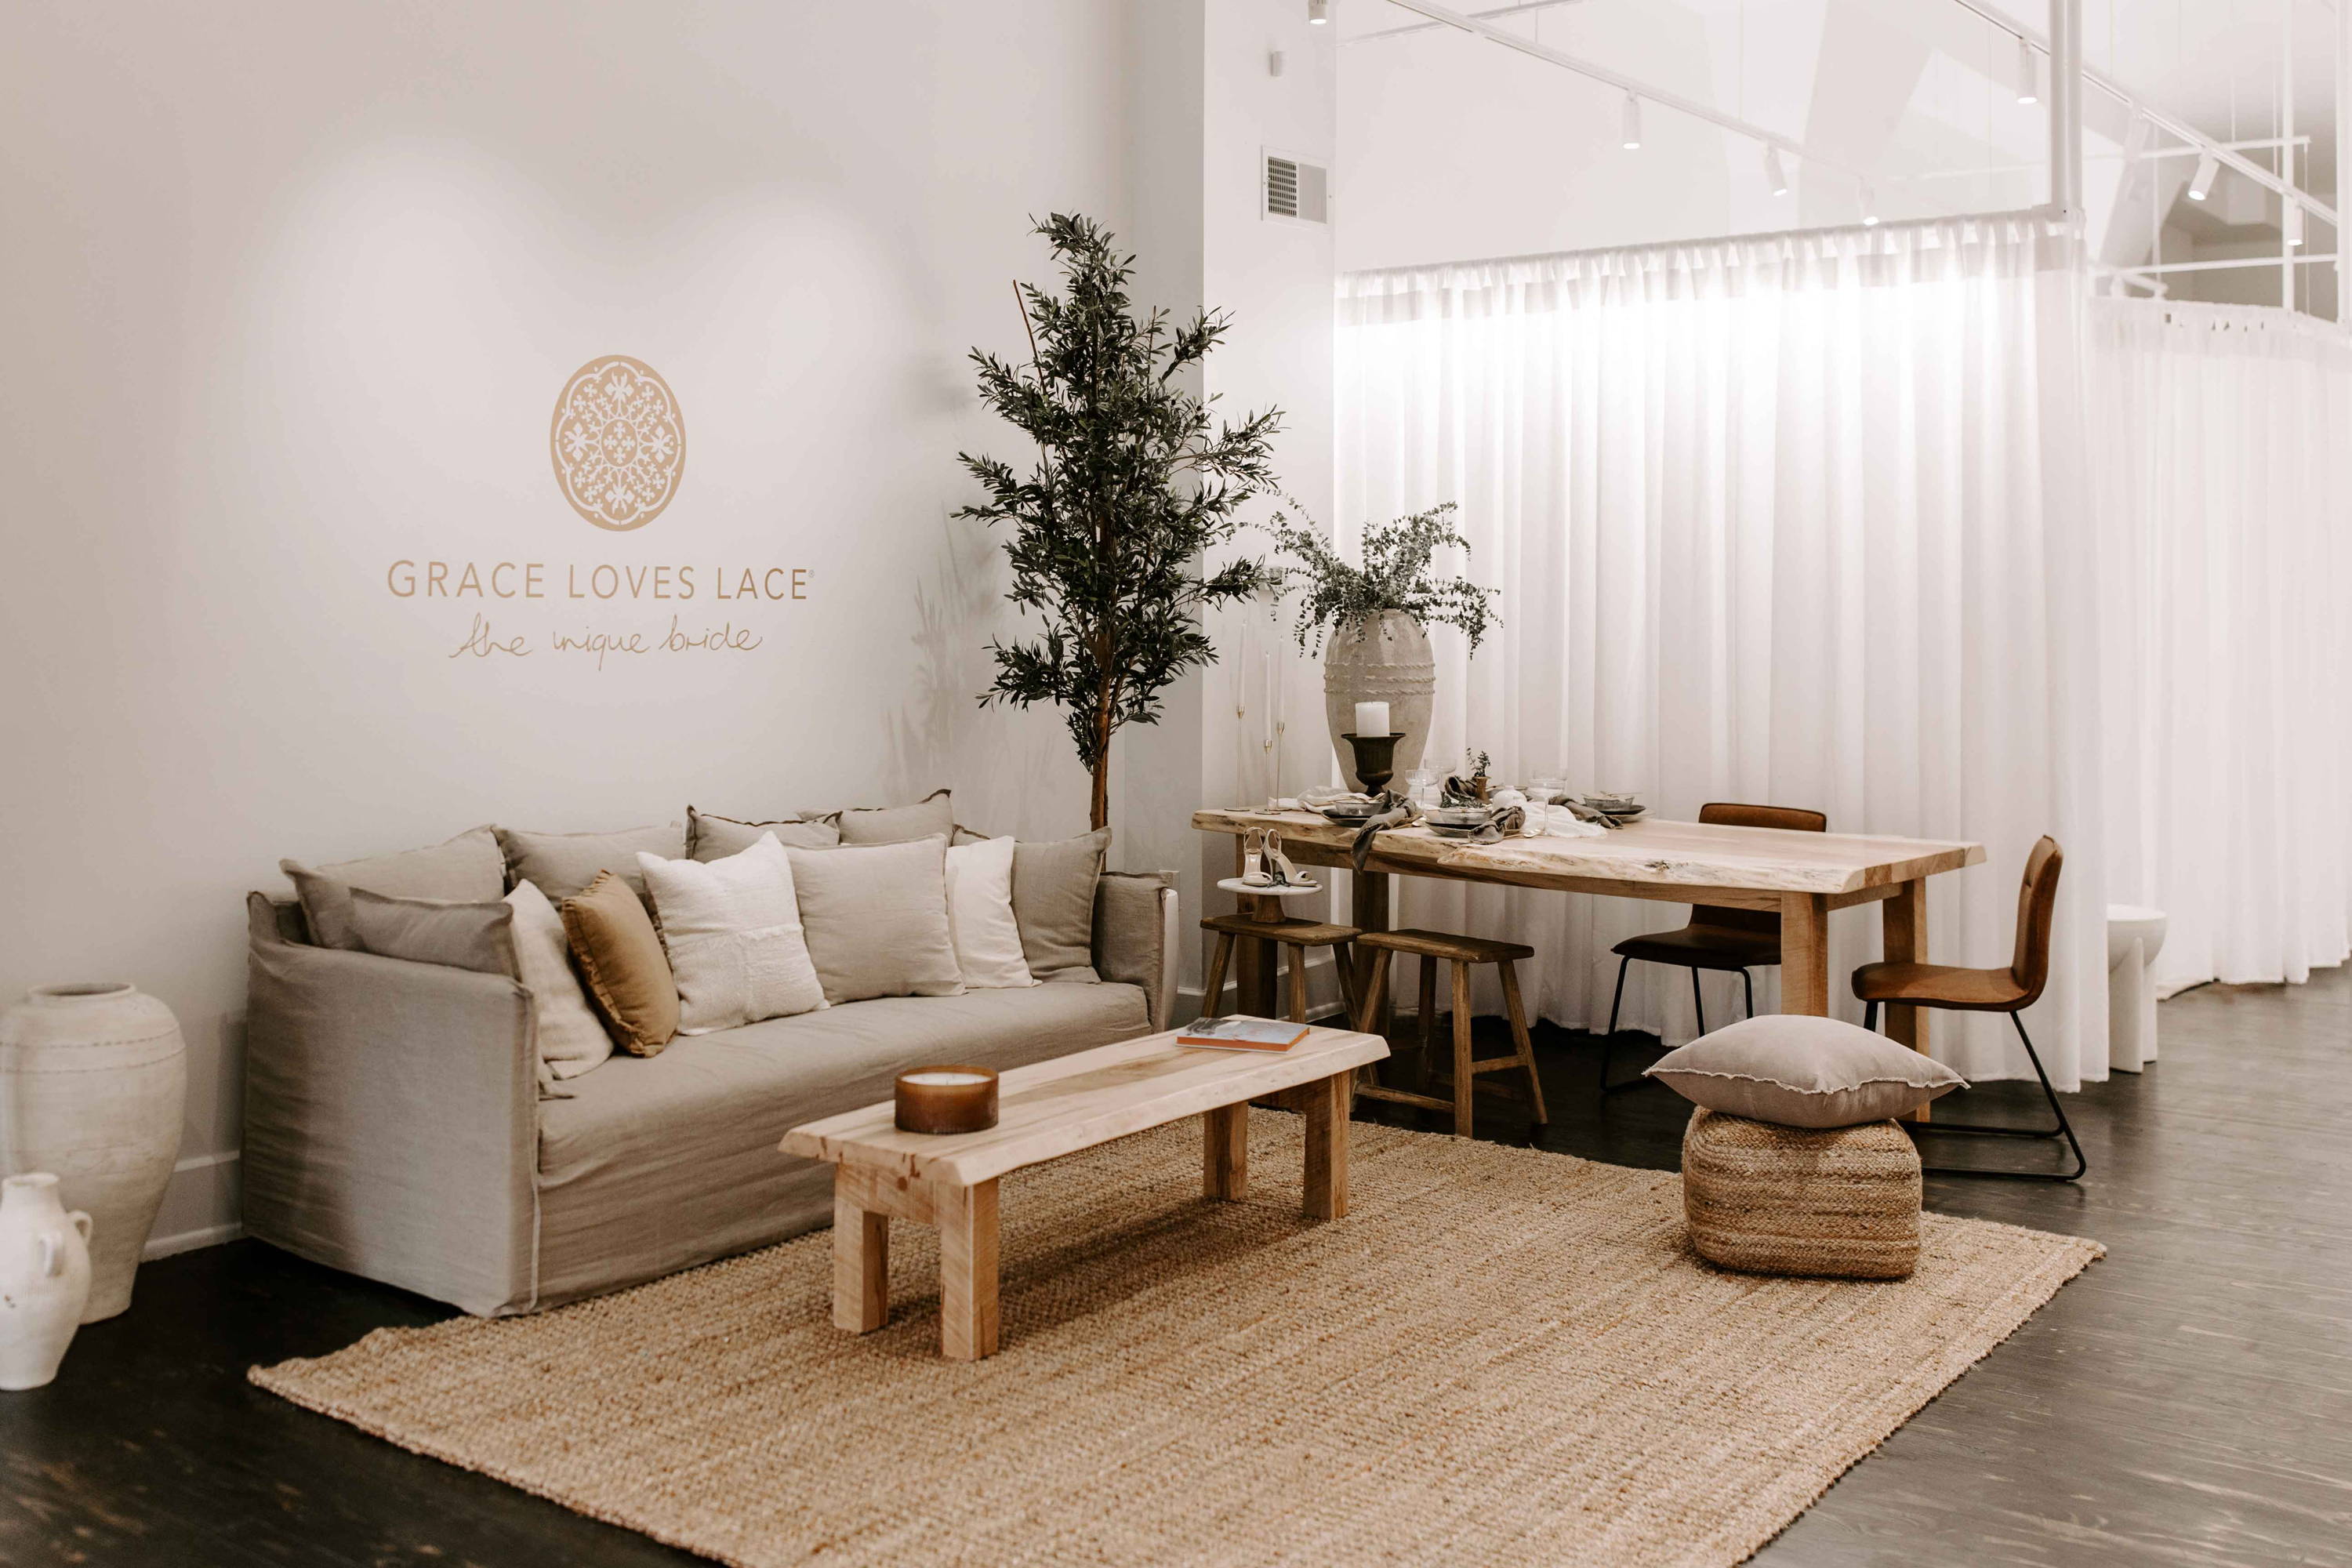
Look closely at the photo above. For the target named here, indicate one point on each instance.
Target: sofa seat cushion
(660, 1162)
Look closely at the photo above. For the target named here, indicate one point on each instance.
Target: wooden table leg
(1903, 938)
(966, 1221)
(1805, 955)
(861, 1263)
(1368, 901)
(1327, 1146)
(1224, 1169)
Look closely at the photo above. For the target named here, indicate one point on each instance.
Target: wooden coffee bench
(1045, 1111)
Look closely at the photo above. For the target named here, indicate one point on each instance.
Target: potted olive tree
(1376, 618)
(1135, 481)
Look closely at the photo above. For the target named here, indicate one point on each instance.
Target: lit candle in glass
(945, 1100)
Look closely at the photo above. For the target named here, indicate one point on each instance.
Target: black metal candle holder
(1375, 759)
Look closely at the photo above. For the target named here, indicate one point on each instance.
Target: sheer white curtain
(2223, 442)
(1794, 520)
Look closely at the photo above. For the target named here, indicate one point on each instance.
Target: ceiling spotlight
(1632, 126)
(2029, 73)
(1869, 206)
(1319, 12)
(2200, 184)
(1776, 173)
(2293, 221)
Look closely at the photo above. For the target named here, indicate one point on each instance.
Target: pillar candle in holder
(945, 1100)
(1372, 718)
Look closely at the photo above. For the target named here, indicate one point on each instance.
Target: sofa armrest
(392, 1119)
(1135, 936)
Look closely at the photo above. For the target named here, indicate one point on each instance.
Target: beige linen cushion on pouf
(1842, 1201)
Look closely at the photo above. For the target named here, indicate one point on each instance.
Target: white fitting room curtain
(2223, 454)
(1781, 520)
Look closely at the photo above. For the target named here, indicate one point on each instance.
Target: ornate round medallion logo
(619, 443)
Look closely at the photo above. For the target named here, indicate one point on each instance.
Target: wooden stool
(1462, 952)
(1280, 933)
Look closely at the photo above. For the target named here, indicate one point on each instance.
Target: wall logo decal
(618, 442)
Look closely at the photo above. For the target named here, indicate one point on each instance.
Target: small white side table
(2135, 936)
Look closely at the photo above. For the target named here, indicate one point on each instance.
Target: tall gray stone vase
(1382, 658)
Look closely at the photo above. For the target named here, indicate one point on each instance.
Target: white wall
(1275, 279)
(287, 294)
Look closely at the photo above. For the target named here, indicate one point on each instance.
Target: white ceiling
(2214, 62)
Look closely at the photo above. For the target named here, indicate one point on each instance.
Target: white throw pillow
(571, 1040)
(980, 916)
(733, 930)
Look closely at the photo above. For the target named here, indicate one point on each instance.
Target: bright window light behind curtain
(2223, 443)
(1778, 521)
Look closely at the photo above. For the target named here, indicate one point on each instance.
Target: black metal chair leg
(2062, 1130)
(1609, 1040)
(1699, 1005)
(1870, 1016)
(1749, 980)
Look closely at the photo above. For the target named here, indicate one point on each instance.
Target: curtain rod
(1779, 236)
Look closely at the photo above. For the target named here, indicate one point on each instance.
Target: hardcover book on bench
(1241, 1032)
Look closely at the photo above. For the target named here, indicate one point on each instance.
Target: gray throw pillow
(459, 870)
(875, 918)
(709, 838)
(467, 867)
(1795, 1070)
(1054, 903)
(462, 934)
(326, 905)
(563, 865)
(934, 814)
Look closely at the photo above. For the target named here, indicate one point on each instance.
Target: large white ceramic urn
(1382, 659)
(93, 1079)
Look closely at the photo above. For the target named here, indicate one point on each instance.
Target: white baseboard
(201, 1206)
(190, 1240)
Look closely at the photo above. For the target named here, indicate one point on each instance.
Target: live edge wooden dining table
(1800, 876)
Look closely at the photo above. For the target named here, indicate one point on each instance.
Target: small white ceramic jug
(44, 1278)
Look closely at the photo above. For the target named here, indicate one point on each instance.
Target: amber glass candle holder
(947, 1098)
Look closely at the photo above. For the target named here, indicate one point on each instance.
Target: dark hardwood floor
(2187, 1401)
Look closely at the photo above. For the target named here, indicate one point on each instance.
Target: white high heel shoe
(1285, 873)
(1254, 871)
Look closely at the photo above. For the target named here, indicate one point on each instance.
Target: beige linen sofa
(394, 1124)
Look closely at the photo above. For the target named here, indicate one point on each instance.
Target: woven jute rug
(1500, 1355)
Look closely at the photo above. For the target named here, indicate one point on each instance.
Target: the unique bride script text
(482, 642)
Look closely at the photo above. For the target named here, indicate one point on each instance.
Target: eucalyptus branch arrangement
(1134, 480)
(1397, 574)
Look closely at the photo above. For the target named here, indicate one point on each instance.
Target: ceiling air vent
(1294, 190)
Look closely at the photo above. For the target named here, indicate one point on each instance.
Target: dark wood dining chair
(1716, 938)
(2011, 989)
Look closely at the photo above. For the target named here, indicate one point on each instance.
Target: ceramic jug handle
(53, 1256)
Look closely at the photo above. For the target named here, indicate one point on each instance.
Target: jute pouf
(1843, 1202)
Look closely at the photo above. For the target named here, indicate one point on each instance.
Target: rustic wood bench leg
(1462, 1078)
(861, 1265)
(1224, 1171)
(1326, 1145)
(968, 1311)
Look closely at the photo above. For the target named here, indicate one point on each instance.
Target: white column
(2066, 109)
